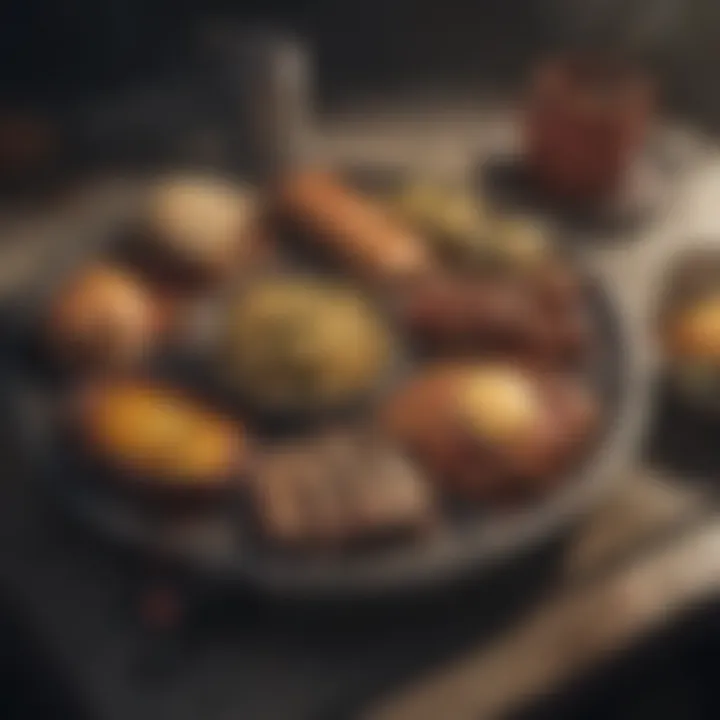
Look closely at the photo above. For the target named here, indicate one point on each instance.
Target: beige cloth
(584, 622)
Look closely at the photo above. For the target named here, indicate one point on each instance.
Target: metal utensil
(263, 82)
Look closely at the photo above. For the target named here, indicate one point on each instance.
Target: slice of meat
(466, 315)
(334, 491)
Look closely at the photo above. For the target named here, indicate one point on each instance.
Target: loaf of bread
(350, 229)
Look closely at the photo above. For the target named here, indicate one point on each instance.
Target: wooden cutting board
(625, 579)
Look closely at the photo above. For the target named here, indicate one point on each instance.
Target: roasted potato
(156, 440)
(105, 319)
(492, 433)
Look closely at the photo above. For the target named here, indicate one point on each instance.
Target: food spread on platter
(295, 342)
(339, 488)
(471, 323)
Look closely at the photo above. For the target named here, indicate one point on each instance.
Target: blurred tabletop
(242, 657)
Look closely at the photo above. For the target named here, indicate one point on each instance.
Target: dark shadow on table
(28, 689)
(684, 440)
(668, 677)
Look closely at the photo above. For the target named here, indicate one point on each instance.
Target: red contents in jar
(585, 120)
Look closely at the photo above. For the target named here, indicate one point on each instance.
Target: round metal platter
(216, 548)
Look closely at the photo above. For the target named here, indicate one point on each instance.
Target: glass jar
(585, 120)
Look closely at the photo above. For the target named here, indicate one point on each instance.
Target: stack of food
(474, 327)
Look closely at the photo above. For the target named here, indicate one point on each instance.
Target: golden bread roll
(104, 318)
(161, 438)
(203, 224)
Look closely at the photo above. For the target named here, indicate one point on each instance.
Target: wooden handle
(566, 637)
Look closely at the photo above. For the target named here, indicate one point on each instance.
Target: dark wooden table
(238, 656)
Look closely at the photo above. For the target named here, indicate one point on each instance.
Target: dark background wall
(58, 48)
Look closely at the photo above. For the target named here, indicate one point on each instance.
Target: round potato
(203, 225)
(492, 433)
(105, 319)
